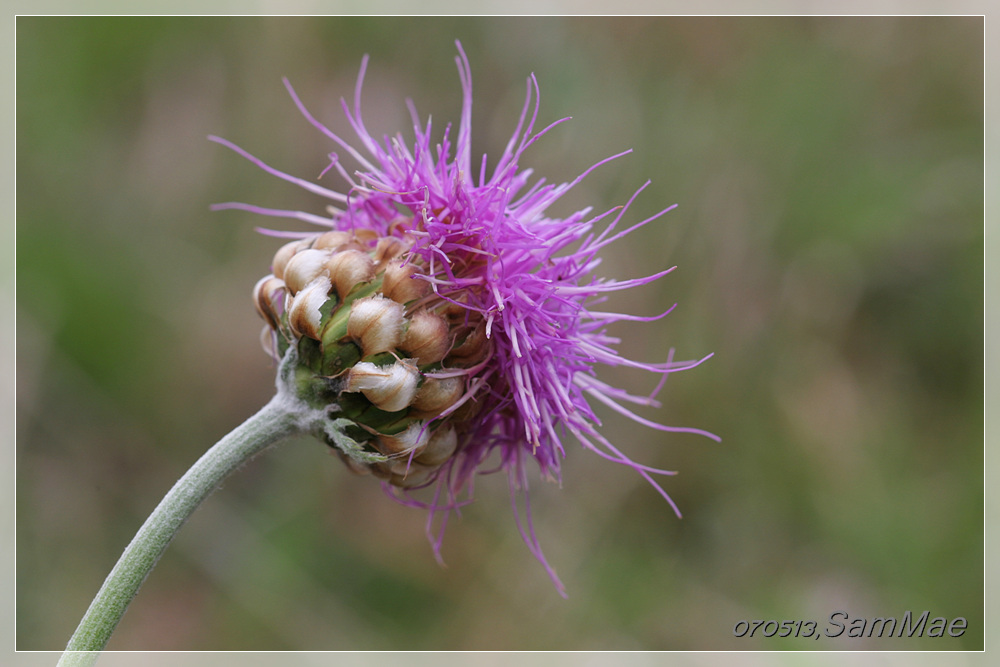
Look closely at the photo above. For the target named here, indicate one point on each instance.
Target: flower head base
(445, 314)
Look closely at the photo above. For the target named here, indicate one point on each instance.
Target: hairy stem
(284, 415)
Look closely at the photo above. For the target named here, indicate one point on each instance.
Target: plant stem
(281, 417)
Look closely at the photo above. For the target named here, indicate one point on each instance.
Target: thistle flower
(444, 317)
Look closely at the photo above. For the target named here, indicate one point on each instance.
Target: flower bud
(399, 284)
(303, 314)
(486, 296)
(349, 267)
(376, 323)
(427, 338)
(389, 388)
(305, 267)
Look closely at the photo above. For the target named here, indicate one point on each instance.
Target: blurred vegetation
(829, 241)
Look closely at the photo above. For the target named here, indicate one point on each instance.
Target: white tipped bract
(409, 476)
(269, 343)
(389, 248)
(284, 254)
(389, 388)
(440, 446)
(303, 313)
(349, 267)
(376, 323)
(474, 345)
(306, 266)
(438, 394)
(427, 338)
(331, 240)
(400, 444)
(269, 299)
(399, 284)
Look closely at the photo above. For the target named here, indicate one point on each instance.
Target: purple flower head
(458, 280)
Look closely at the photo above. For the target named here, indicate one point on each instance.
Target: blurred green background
(829, 241)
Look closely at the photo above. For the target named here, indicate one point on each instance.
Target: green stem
(284, 415)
